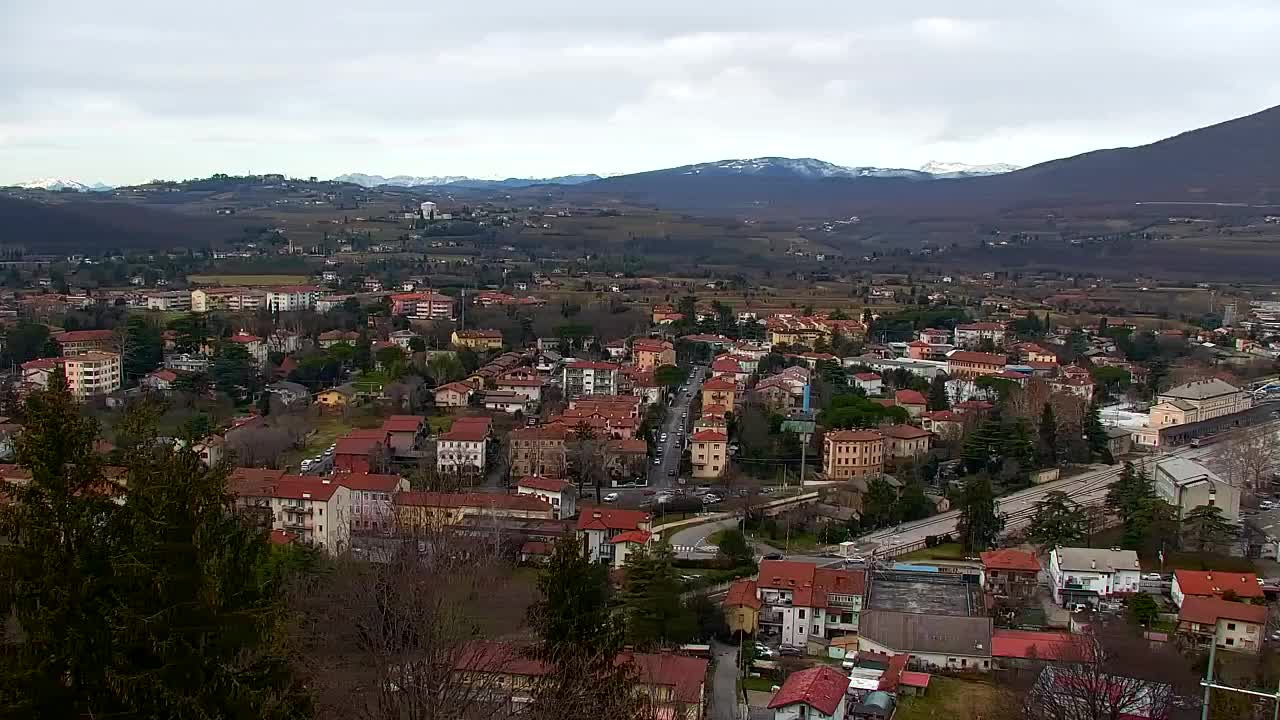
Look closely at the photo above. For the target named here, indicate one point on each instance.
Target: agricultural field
(227, 280)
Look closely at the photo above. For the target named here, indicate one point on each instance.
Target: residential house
(481, 340)
(463, 449)
(1186, 484)
(511, 403)
(940, 641)
(316, 511)
(254, 345)
(1104, 695)
(626, 459)
(587, 377)
(530, 388)
(1088, 575)
(742, 608)
(336, 398)
(1010, 574)
(971, 335)
(405, 433)
(719, 391)
(726, 367)
(1229, 625)
(967, 364)
(330, 338)
(649, 354)
(599, 526)
(1215, 584)
(75, 342)
(801, 601)
(361, 451)
(905, 441)
(372, 509)
(913, 401)
(869, 382)
(161, 380)
(816, 693)
(537, 451)
(709, 453)
(454, 395)
(403, 339)
(289, 393)
(616, 349)
(852, 453)
(422, 306)
(561, 495)
(934, 336)
(665, 315)
(36, 373)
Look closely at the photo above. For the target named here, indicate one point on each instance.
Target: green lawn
(328, 428)
(945, 551)
(439, 423)
(758, 684)
(1196, 561)
(952, 699)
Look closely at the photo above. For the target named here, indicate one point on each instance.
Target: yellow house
(719, 391)
(709, 452)
(742, 607)
(335, 398)
(477, 339)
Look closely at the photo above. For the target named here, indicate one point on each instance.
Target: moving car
(611, 497)
(773, 556)
(657, 460)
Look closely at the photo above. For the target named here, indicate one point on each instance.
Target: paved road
(724, 682)
(675, 424)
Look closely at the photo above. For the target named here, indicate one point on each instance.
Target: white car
(1154, 577)
(657, 461)
(611, 497)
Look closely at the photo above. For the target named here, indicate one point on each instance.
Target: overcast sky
(126, 92)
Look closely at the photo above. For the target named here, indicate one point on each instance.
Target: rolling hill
(43, 227)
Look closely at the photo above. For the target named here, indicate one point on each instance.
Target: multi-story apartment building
(422, 305)
(292, 298)
(708, 450)
(169, 301)
(477, 339)
(234, 299)
(968, 364)
(254, 345)
(537, 451)
(905, 441)
(317, 512)
(75, 342)
(852, 453)
(372, 509)
(801, 600)
(1215, 583)
(1198, 400)
(1236, 626)
(608, 533)
(462, 450)
(436, 509)
(1087, 575)
(719, 391)
(972, 334)
(649, 354)
(93, 373)
(590, 378)
(1186, 484)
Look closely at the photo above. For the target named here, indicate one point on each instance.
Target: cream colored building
(1196, 401)
(852, 453)
(93, 373)
(1229, 625)
(709, 451)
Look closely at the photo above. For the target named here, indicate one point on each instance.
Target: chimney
(1093, 564)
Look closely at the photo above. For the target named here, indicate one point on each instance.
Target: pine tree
(980, 523)
(1096, 434)
(651, 602)
(1057, 521)
(938, 393)
(1206, 528)
(1048, 447)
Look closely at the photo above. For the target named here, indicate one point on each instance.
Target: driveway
(724, 682)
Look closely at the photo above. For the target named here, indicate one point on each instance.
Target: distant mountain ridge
(56, 184)
(462, 181)
(811, 168)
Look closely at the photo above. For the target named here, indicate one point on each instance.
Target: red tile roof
(471, 500)
(368, 481)
(465, 432)
(543, 483)
(1030, 644)
(1214, 583)
(710, 436)
(892, 674)
(281, 537)
(1208, 610)
(910, 678)
(809, 583)
(244, 338)
(978, 358)
(821, 688)
(742, 593)
(631, 536)
(1009, 559)
(599, 518)
(904, 432)
(403, 423)
(866, 376)
(304, 487)
(359, 442)
(627, 446)
(43, 363)
(725, 364)
(592, 365)
(909, 397)
(83, 335)
(853, 436)
(981, 326)
(719, 383)
(683, 674)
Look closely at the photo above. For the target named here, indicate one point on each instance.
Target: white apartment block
(561, 495)
(292, 298)
(170, 301)
(590, 378)
(317, 513)
(800, 600)
(1087, 575)
(972, 334)
(462, 450)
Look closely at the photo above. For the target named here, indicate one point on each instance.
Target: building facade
(709, 451)
(93, 373)
(852, 453)
(590, 378)
(1085, 576)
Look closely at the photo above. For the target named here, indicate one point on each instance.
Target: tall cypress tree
(1048, 448)
(938, 393)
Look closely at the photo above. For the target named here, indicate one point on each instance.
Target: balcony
(770, 618)
(299, 524)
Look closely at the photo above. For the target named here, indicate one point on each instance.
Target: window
(321, 512)
(801, 614)
(1231, 641)
(1231, 626)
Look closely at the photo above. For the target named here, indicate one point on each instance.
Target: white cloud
(316, 87)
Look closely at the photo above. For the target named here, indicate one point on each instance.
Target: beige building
(93, 373)
(1186, 484)
(477, 339)
(649, 354)
(235, 299)
(719, 391)
(1229, 625)
(1196, 401)
(852, 453)
(709, 450)
(537, 451)
(905, 441)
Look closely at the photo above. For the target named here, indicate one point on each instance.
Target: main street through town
(675, 425)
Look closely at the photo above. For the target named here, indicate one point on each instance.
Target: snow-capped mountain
(793, 167)
(56, 184)
(460, 180)
(958, 169)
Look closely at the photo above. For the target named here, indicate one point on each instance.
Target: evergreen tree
(233, 371)
(1205, 528)
(912, 504)
(735, 548)
(143, 348)
(655, 615)
(1096, 434)
(1048, 446)
(264, 404)
(878, 504)
(580, 638)
(363, 357)
(938, 393)
(1057, 521)
(980, 523)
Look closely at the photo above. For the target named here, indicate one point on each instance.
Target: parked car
(611, 497)
(657, 460)
(671, 473)
(1152, 576)
(792, 650)
(773, 556)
